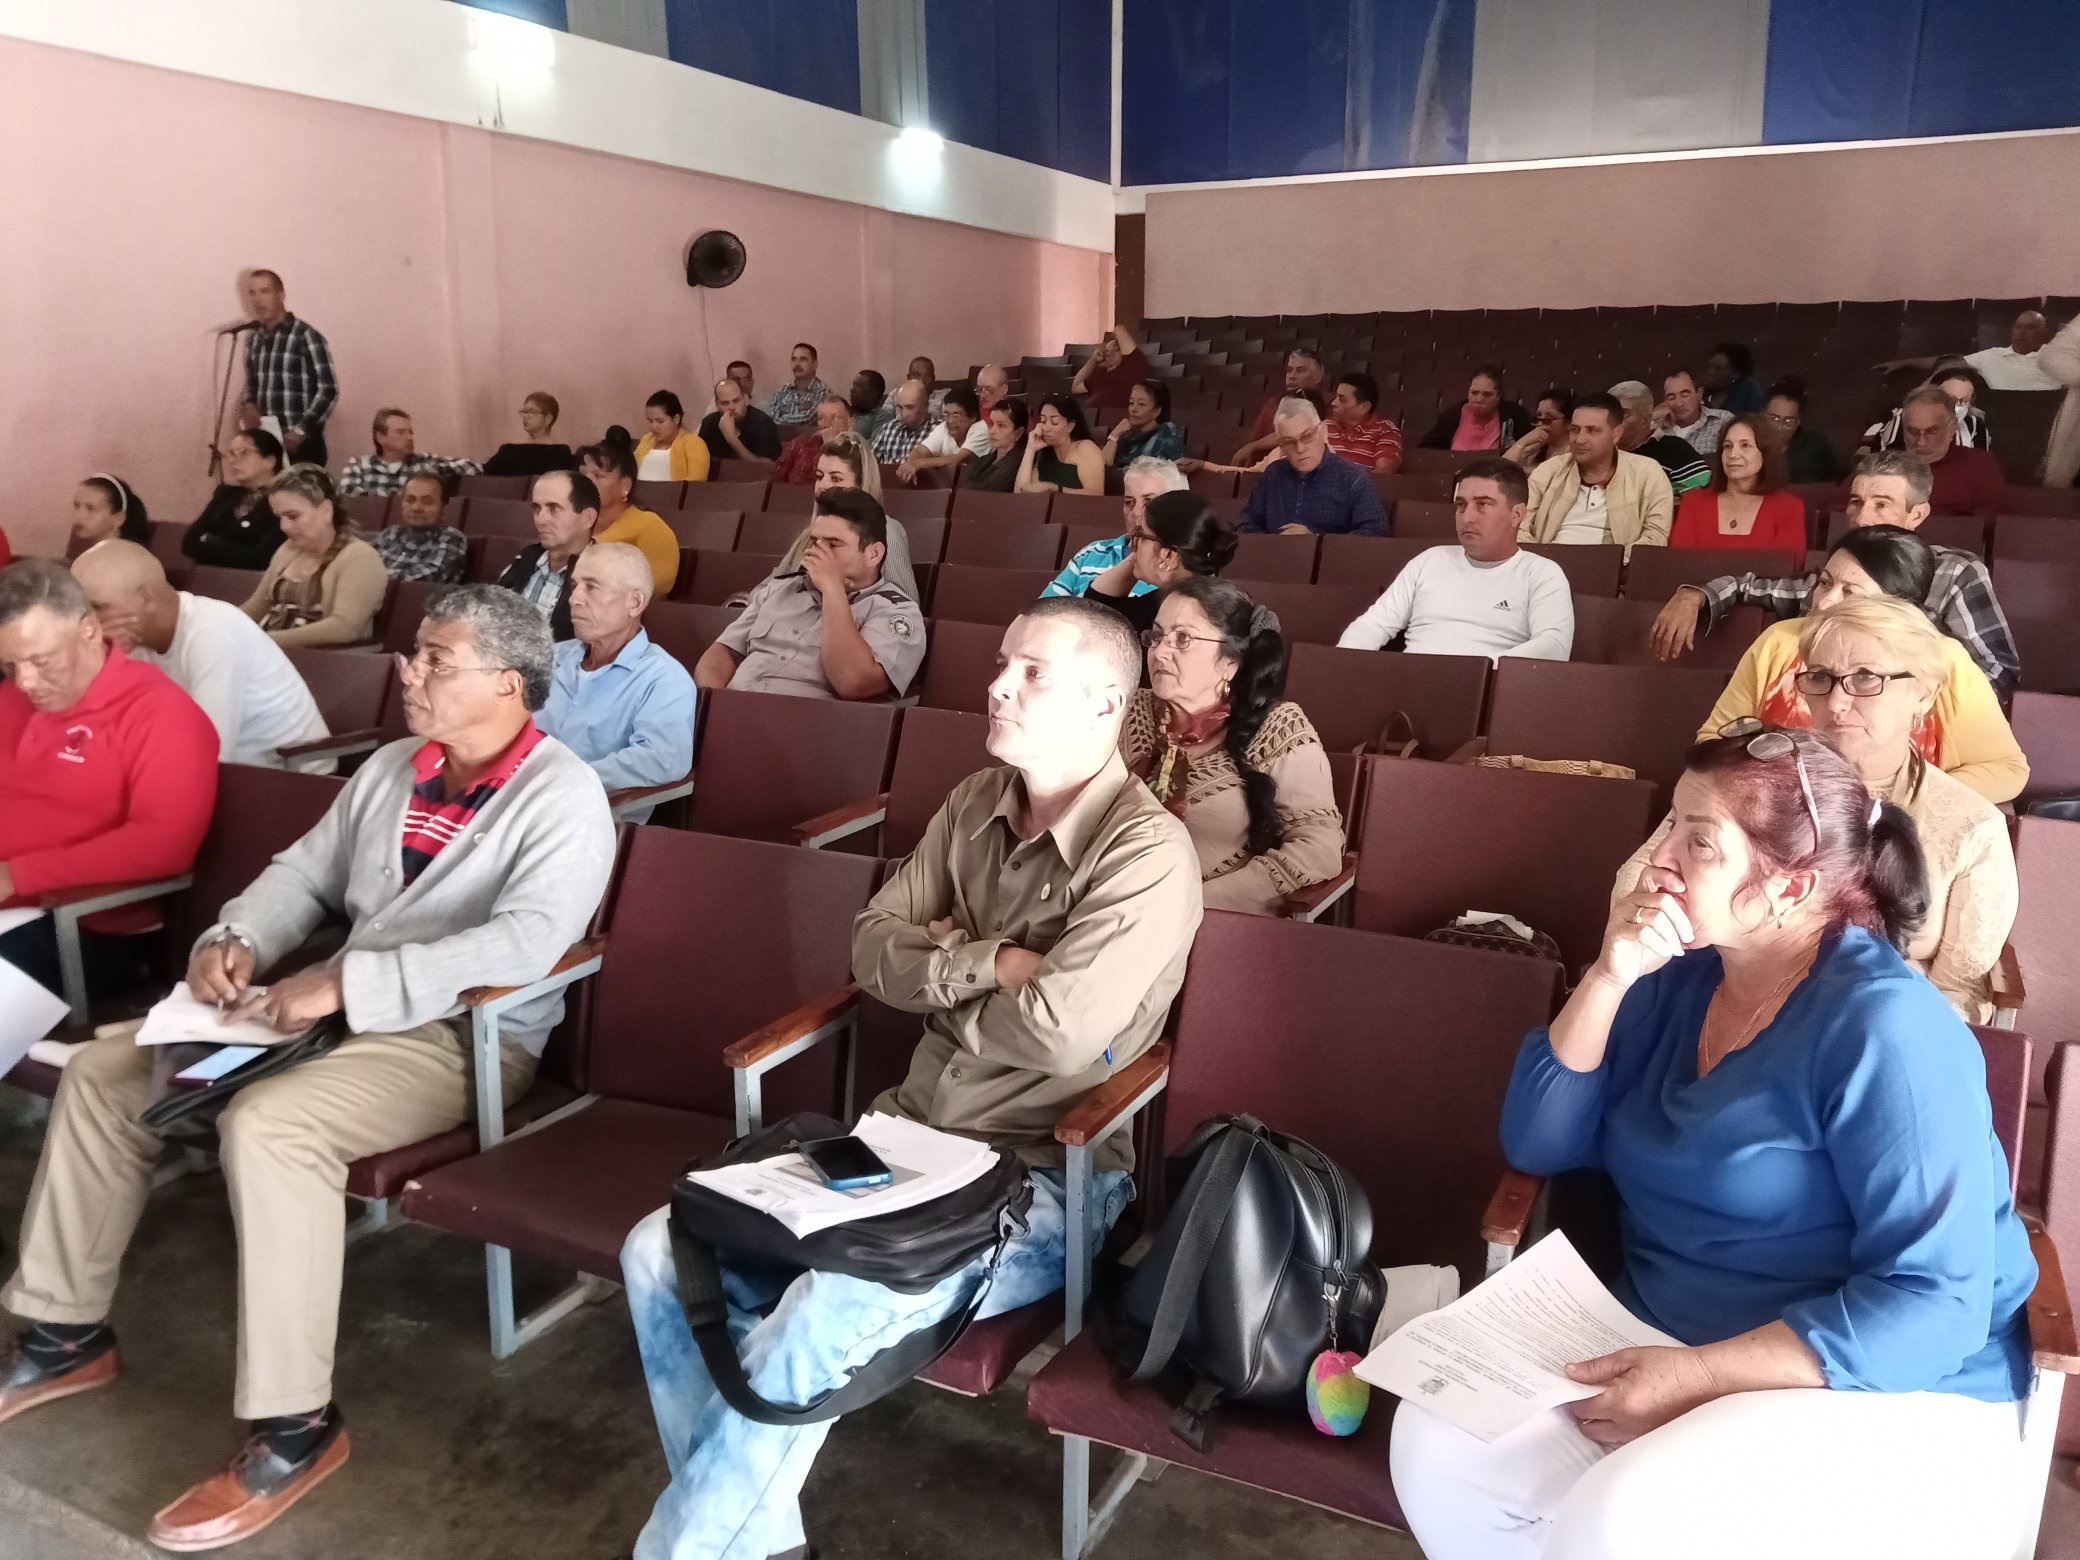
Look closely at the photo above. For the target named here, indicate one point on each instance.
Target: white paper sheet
(1494, 1357)
(28, 1012)
(55, 1053)
(21, 915)
(218, 1063)
(926, 1164)
(179, 1019)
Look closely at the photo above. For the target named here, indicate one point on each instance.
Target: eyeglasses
(1782, 421)
(417, 665)
(1177, 638)
(1860, 684)
(1769, 744)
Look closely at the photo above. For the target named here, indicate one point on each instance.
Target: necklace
(1707, 1057)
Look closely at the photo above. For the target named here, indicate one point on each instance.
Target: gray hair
(1630, 391)
(625, 565)
(1163, 473)
(509, 632)
(40, 582)
(1296, 409)
(1105, 634)
(1911, 468)
(1930, 394)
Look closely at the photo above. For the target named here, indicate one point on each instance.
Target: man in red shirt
(108, 770)
(1303, 372)
(1356, 433)
(1112, 371)
(1967, 482)
(797, 462)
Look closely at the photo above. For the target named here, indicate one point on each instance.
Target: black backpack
(1264, 1261)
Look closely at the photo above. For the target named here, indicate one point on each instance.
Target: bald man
(617, 700)
(736, 429)
(243, 680)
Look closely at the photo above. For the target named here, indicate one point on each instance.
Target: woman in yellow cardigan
(668, 453)
(1963, 731)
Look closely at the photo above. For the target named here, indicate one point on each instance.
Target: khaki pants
(286, 1144)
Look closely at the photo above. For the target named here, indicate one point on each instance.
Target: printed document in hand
(182, 1019)
(1494, 1357)
(925, 1162)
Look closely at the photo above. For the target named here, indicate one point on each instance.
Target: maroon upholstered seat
(1349, 694)
(351, 686)
(2047, 725)
(494, 487)
(662, 498)
(705, 530)
(385, 1174)
(684, 629)
(770, 533)
(499, 517)
(769, 760)
(748, 497)
(1370, 561)
(1614, 631)
(1592, 569)
(407, 609)
(960, 663)
(972, 504)
(221, 584)
(717, 576)
(2046, 538)
(1644, 717)
(1426, 519)
(992, 544)
(2050, 652)
(909, 504)
(1442, 839)
(1313, 614)
(937, 750)
(1654, 573)
(1287, 560)
(967, 593)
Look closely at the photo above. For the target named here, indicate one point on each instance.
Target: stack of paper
(181, 1019)
(1496, 1356)
(28, 1009)
(926, 1164)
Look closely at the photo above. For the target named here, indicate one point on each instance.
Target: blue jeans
(736, 1485)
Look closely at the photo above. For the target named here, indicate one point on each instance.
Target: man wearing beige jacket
(1597, 492)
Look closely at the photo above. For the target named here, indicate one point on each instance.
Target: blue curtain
(550, 13)
(1854, 70)
(1236, 89)
(1032, 81)
(805, 48)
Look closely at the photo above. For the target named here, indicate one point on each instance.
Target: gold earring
(1224, 688)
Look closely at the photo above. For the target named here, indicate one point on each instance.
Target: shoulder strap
(1194, 1249)
(707, 1313)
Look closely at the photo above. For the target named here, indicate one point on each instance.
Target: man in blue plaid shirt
(288, 371)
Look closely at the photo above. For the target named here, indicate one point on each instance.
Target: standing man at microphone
(288, 371)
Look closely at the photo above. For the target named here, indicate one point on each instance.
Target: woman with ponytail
(1816, 1209)
(1221, 747)
(1177, 536)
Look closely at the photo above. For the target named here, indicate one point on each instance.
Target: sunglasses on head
(1772, 745)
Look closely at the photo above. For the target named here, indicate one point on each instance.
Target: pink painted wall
(452, 269)
(1960, 219)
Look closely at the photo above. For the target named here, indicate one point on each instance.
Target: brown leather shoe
(24, 1383)
(236, 1502)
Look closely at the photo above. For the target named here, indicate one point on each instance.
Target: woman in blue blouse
(1146, 430)
(1814, 1202)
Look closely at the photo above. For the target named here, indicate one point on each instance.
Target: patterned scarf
(1169, 776)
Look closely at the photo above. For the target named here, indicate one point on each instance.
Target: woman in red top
(1746, 505)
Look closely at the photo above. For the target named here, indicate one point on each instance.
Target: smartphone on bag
(846, 1164)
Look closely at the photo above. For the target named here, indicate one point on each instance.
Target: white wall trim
(1134, 197)
(433, 59)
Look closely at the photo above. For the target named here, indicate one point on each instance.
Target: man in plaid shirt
(1889, 488)
(397, 459)
(795, 402)
(903, 432)
(288, 371)
(419, 546)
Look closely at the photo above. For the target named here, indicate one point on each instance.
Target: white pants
(1784, 1475)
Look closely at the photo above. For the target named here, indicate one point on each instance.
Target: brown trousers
(286, 1144)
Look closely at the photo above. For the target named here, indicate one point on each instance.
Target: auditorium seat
(936, 749)
(2047, 929)
(927, 538)
(1368, 561)
(1614, 631)
(1392, 1058)
(1349, 695)
(494, 487)
(705, 530)
(790, 498)
(2047, 728)
(2038, 588)
(2043, 501)
(992, 544)
(493, 555)
(660, 498)
(165, 544)
(1283, 560)
(368, 512)
(1644, 717)
(1313, 614)
(709, 939)
(717, 576)
(733, 470)
(1654, 573)
(769, 760)
(683, 630)
(1592, 569)
(1965, 533)
(2037, 538)
(1088, 509)
(1426, 519)
(770, 533)
(499, 517)
(971, 594)
(1442, 839)
(907, 504)
(353, 687)
(1419, 462)
(2050, 651)
(221, 584)
(969, 504)
(960, 662)
(747, 497)
(1434, 486)
(1214, 484)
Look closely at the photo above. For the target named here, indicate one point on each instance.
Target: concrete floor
(550, 1454)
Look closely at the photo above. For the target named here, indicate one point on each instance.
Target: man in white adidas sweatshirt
(1487, 596)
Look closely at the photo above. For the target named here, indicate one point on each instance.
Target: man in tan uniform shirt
(1041, 926)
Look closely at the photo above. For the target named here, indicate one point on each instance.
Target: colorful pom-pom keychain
(1336, 1396)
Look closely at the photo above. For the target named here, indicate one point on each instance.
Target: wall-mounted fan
(715, 259)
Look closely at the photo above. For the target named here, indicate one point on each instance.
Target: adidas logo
(1502, 605)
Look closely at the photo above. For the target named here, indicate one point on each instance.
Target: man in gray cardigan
(471, 854)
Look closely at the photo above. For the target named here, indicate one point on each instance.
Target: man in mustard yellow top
(612, 468)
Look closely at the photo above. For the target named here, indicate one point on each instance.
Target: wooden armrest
(851, 818)
(630, 795)
(120, 893)
(588, 948)
(2051, 1336)
(1509, 1210)
(1313, 899)
(2009, 993)
(1099, 1111)
(791, 1027)
(341, 742)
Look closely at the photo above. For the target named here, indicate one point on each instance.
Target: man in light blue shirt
(1145, 479)
(615, 699)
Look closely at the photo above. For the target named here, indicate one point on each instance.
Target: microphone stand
(216, 455)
